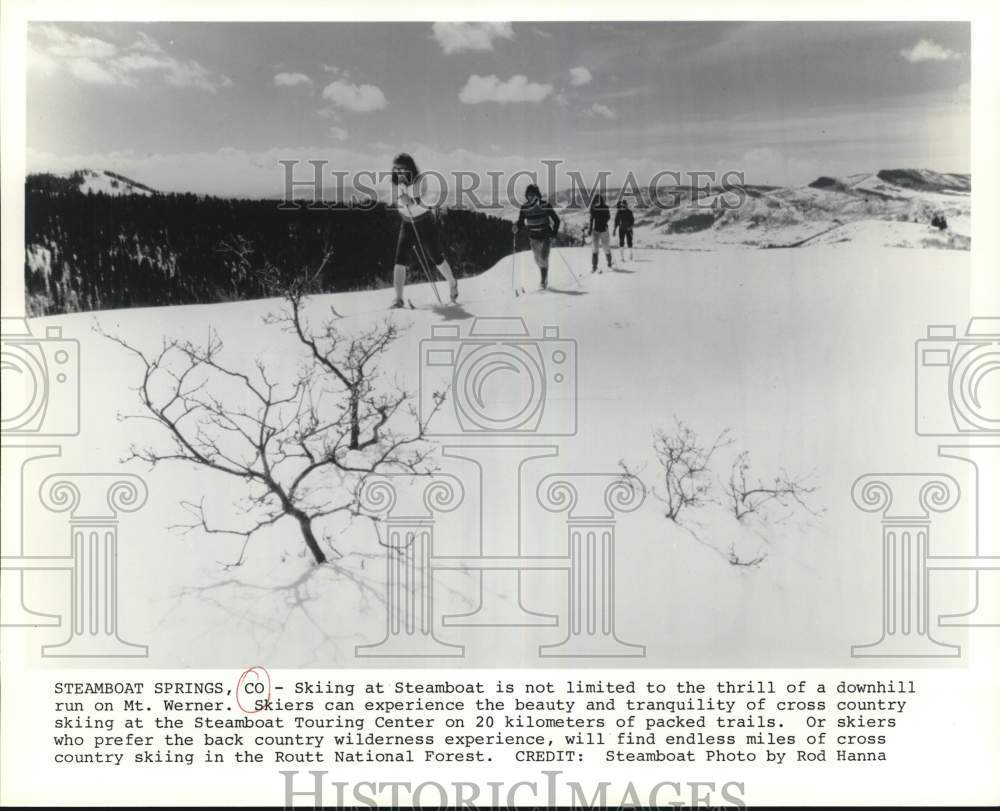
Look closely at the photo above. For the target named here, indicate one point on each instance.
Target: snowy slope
(893, 234)
(790, 216)
(805, 355)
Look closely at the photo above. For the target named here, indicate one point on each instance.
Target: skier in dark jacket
(418, 230)
(542, 223)
(600, 214)
(624, 222)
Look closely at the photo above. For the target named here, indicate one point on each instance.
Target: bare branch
(684, 461)
(751, 496)
(302, 444)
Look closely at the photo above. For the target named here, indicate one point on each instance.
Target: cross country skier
(624, 221)
(418, 230)
(599, 216)
(543, 225)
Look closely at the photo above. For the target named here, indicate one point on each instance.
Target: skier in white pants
(600, 215)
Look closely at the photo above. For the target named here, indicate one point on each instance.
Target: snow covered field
(891, 208)
(805, 355)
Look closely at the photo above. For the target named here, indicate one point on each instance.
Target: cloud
(132, 62)
(627, 93)
(363, 98)
(339, 133)
(927, 50)
(90, 71)
(337, 72)
(481, 89)
(97, 61)
(579, 76)
(456, 37)
(601, 111)
(292, 80)
(66, 45)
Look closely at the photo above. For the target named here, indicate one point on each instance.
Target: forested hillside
(87, 251)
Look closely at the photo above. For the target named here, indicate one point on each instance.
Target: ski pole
(513, 265)
(422, 259)
(571, 273)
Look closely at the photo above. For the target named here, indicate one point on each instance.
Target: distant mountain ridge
(914, 179)
(926, 180)
(88, 181)
(828, 207)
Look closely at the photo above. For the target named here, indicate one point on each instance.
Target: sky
(212, 107)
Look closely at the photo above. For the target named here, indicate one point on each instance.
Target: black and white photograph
(527, 411)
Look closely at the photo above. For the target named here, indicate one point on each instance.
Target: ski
(432, 307)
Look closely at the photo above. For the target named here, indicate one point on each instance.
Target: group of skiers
(419, 230)
(542, 222)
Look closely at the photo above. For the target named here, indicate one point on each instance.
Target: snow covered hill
(926, 180)
(805, 356)
(831, 209)
(89, 181)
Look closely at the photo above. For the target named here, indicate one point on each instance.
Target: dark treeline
(98, 251)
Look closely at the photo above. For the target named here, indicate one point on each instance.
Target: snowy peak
(890, 181)
(88, 181)
(926, 180)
